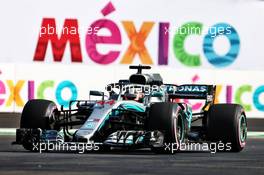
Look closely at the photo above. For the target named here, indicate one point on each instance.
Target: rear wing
(191, 91)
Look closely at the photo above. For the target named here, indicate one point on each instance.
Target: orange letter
(14, 93)
(217, 93)
(137, 42)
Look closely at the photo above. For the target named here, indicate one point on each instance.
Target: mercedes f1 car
(141, 112)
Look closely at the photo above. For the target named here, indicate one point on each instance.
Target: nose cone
(83, 135)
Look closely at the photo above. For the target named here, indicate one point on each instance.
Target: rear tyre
(37, 114)
(168, 119)
(227, 123)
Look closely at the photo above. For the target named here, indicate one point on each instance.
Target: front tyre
(37, 114)
(168, 119)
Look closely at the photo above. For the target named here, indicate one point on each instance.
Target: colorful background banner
(60, 50)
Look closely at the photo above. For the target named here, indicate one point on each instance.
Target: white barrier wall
(60, 50)
(70, 82)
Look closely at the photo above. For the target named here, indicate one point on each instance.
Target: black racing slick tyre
(168, 119)
(227, 123)
(37, 114)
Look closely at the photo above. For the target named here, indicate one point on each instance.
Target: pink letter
(93, 39)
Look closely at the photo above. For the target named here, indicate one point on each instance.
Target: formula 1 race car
(141, 112)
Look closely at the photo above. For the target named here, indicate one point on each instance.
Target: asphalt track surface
(15, 160)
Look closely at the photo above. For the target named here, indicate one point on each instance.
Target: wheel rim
(178, 129)
(242, 129)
